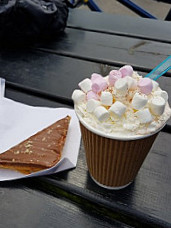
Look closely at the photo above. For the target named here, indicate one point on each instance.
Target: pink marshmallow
(92, 95)
(114, 75)
(126, 70)
(99, 85)
(95, 76)
(145, 85)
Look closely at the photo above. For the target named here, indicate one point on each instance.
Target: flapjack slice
(40, 151)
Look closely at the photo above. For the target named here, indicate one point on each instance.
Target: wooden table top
(46, 74)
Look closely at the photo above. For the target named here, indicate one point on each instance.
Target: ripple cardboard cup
(113, 162)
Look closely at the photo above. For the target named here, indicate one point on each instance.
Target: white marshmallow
(78, 96)
(144, 116)
(106, 98)
(157, 105)
(162, 94)
(132, 84)
(139, 101)
(117, 109)
(92, 104)
(155, 85)
(85, 85)
(101, 113)
(121, 86)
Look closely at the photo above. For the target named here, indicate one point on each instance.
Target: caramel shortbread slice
(40, 151)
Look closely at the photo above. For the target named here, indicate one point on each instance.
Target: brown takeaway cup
(113, 163)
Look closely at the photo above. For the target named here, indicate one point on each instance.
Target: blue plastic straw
(159, 70)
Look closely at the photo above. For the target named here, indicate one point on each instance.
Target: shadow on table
(116, 196)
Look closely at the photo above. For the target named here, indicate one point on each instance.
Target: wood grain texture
(44, 71)
(109, 49)
(30, 99)
(120, 25)
(23, 207)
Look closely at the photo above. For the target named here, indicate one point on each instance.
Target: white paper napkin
(19, 121)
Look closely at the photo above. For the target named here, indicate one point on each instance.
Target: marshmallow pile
(114, 97)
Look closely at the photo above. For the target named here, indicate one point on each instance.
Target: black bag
(31, 20)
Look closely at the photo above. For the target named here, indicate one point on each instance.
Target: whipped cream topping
(122, 104)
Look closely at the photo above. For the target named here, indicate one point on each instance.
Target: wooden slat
(43, 71)
(120, 25)
(109, 49)
(23, 207)
(28, 98)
